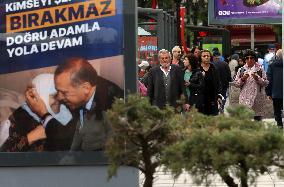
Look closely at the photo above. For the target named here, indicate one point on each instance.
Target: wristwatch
(44, 117)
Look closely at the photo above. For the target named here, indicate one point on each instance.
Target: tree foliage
(140, 133)
(235, 147)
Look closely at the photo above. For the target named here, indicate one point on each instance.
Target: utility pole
(178, 3)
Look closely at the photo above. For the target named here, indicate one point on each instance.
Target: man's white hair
(175, 48)
(164, 51)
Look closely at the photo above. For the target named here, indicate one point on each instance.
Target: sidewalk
(164, 179)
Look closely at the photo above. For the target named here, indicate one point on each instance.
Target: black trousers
(278, 107)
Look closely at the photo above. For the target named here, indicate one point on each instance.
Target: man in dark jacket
(274, 90)
(165, 82)
(224, 74)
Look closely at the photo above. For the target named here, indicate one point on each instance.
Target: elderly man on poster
(81, 89)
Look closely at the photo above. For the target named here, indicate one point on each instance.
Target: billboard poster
(248, 9)
(148, 49)
(245, 11)
(210, 46)
(35, 37)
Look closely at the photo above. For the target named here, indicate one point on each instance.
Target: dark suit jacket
(96, 129)
(156, 87)
(224, 75)
(58, 139)
(196, 88)
(275, 78)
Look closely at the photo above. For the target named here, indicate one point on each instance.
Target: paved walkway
(164, 179)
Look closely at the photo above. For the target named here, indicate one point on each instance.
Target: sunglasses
(249, 58)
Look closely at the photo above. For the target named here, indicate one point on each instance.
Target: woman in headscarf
(251, 79)
(27, 129)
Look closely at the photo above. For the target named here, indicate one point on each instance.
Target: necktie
(83, 116)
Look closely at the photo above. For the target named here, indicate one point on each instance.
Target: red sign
(182, 14)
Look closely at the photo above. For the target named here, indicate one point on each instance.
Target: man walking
(274, 90)
(224, 74)
(165, 82)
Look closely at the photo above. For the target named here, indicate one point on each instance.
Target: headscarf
(44, 85)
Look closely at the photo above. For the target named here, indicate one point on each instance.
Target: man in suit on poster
(83, 91)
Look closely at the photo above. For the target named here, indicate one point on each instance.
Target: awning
(143, 32)
(245, 38)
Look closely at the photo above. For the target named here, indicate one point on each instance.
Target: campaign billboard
(245, 12)
(37, 36)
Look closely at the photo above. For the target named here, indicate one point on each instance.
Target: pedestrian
(268, 56)
(196, 51)
(176, 51)
(142, 67)
(274, 90)
(165, 82)
(224, 74)
(251, 79)
(212, 85)
(241, 63)
(193, 82)
(233, 64)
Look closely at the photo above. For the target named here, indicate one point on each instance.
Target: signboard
(210, 47)
(148, 49)
(38, 35)
(245, 11)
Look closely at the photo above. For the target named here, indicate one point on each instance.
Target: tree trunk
(228, 179)
(244, 174)
(195, 21)
(149, 177)
(178, 22)
(148, 164)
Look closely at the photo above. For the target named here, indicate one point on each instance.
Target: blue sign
(42, 33)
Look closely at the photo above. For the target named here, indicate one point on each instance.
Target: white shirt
(166, 72)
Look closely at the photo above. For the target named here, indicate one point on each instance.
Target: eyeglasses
(249, 58)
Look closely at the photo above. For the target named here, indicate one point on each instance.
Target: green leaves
(233, 146)
(140, 133)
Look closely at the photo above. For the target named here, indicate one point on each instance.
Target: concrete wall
(67, 176)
